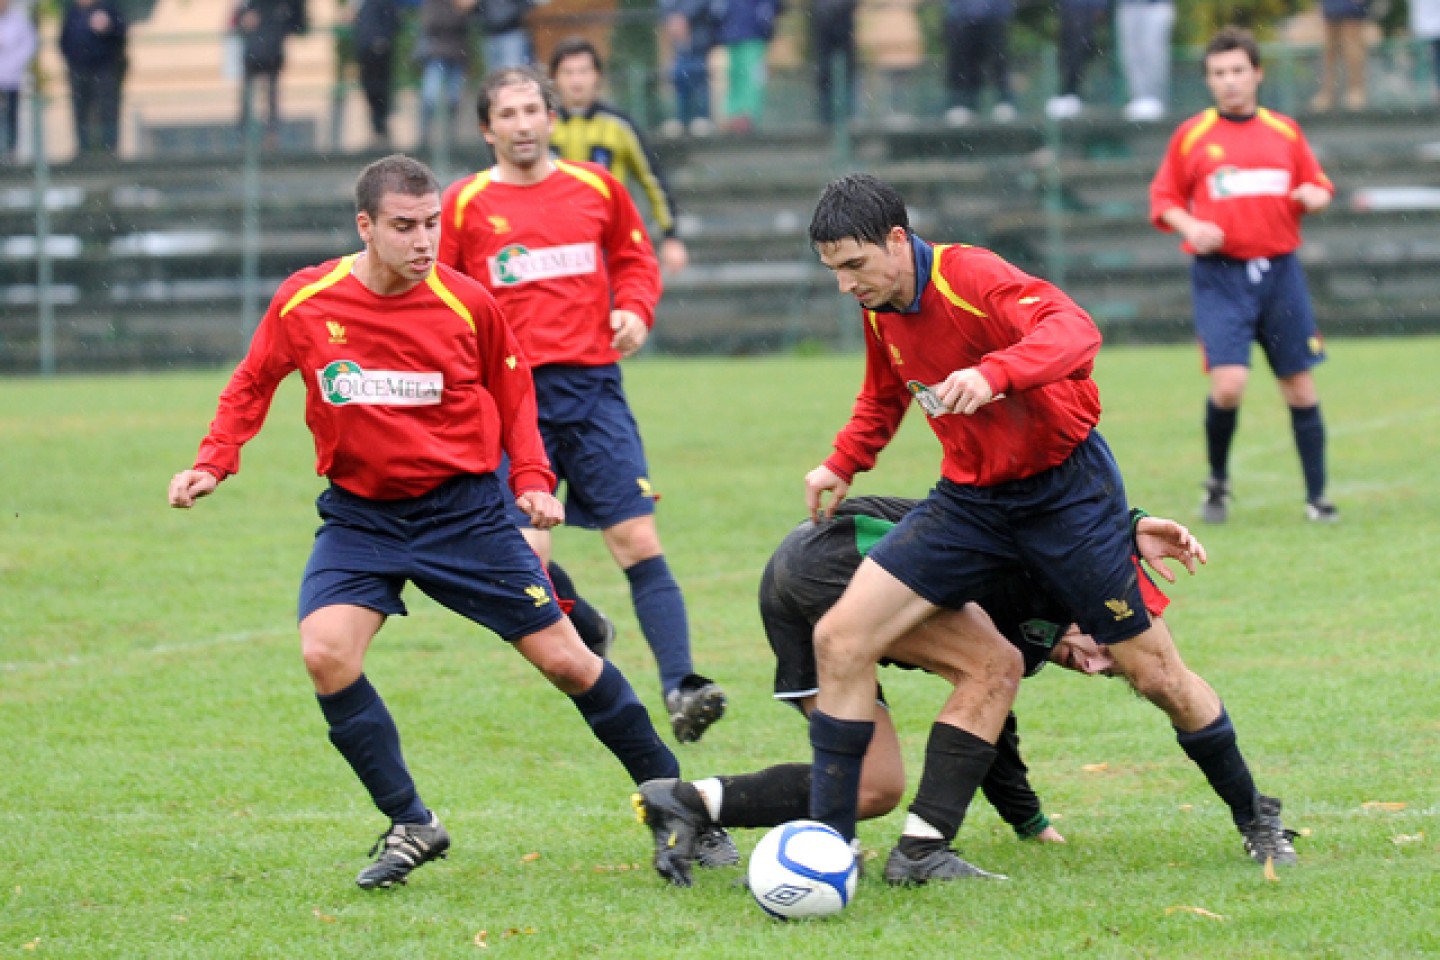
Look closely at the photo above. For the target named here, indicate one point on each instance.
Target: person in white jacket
(17, 49)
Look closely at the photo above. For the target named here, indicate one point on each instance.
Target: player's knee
(571, 670)
(879, 798)
(837, 652)
(329, 663)
(1161, 682)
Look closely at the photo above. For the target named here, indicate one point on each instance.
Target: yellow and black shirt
(601, 134)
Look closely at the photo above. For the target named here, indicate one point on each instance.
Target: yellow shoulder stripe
(342, 269)
(437, 286)
(944, 287)
(584, 176)
(1275, 123)
(477, 183)
(874, 323)
(1208, 119)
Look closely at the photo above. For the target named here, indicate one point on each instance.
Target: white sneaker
(702, 127)
(1064, 108)
(958, 116)
(1144, 109)
(1003, 113)
(672, 128)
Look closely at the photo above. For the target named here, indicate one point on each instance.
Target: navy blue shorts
(1264, 301)
(1068, 527)
(594, 446)
(456, 543)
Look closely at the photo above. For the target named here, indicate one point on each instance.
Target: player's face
(520, 123)
(1079, 652)
(578, 81)
(1234, 81)
(873, 274)
(402, 238)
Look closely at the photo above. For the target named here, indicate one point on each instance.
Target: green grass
(166, 788)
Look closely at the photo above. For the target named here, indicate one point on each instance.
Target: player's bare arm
(1158, 539)
(965, 391)
(818, 482)
(187, 486)
(630, 332)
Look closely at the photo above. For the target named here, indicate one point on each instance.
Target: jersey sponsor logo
(1228, 182)
(1119, 609)
(928, 399)
(537, 594)
(337, 331)
(498, 223)
(344, 382)
(518, 264)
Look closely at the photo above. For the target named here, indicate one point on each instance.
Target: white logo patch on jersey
(344, 381)
(1227, 182)
(518, 264)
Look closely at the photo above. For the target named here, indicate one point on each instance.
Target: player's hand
(543, 509)
(818, 482)
(630, 332)
(1204, 236)
(1312, 197)
(965, 391)
(1159, 539)
(187, 486)
(1048, 835)
(673, 256)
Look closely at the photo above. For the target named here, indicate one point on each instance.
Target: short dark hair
(496, 80)
(396, 173)
(574, 47)
(857, 207)
(1232, 38)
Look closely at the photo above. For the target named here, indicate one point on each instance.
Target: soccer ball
(802, 869)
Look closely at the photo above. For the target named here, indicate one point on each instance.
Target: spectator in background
(1344, 40)
(1425, 25)
(977, 43)
(92, 40)
(264, 25)
(690, 28)
(507, 38)
(832, 37)
(17, 49)
(444, 60)
(376, 25)
(1142, 32)
(746, 28)
(1080, 21)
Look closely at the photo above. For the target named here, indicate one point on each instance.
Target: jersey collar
(924, 259)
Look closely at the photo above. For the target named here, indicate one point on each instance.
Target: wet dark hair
(396, 173)
(574, 47)
(496, 80)
(857, 207)
(1232, 38)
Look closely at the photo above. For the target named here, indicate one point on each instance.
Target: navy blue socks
(622, 724)
(660, 608)
(839, 748)
(1217, 753)
(1310, 443)
(362, 730)
(1219, 432)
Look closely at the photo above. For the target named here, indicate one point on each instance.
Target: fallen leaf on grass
(517, 932)
(179, 917)
(479, 940)
(1270, 873)
(530, 858)
(33, 944)
(1187, 807)
(1198, 911)
(322, 917)
(615, 867)
(1407, 838)
(1095, 767)
(1304, 831)
(1389, 806)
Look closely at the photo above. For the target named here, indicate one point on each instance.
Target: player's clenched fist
(543, 509)
(187, 486)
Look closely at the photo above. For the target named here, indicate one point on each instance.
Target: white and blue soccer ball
(802, 869)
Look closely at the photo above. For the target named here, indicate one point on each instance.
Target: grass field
(167, 790)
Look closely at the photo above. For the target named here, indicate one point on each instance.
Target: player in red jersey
(564, 251)
(414, 386)
(1235, 181)
(1000, 362)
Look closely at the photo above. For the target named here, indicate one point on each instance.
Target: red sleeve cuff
(842, 466)
(213, 470)
(644, 311)
(996, 376)
(526, 481)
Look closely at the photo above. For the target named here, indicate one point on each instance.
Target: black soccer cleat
(676, 827)
(1215, 507)
(402, 848)
(606, 640)
(715, 848)
(941, 864)
(694, 705)
(1266, 838)
(1321, 510)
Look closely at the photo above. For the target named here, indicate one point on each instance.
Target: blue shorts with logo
(456, 543)
(1068, 527)
(594, 446)
(1264, 301)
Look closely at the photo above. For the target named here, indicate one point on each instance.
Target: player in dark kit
(414, 386)
(984, 649)
(562, 248)
(1000, 362)
(1234, 184)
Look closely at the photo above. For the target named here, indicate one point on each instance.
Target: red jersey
(1238, 174)
(558, 255)
(1029, 340)
(402, 392)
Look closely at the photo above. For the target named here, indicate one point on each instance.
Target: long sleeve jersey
(1238, 173)
(558, 255)
(402, 392)
(1028, 339)
(604, 135)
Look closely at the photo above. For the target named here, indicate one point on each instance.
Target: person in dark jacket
(377, 24)
(264, 25)
(976, 46)
(444, 59)
(832, 37)
(92, 40)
